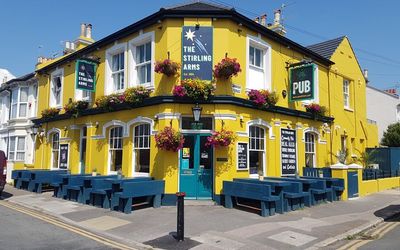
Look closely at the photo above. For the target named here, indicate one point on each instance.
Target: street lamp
(197, 112)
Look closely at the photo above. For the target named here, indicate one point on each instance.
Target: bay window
(19, 102)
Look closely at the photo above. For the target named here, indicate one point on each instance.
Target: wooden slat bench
(251, 191)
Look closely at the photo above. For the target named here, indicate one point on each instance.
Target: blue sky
(32, 28)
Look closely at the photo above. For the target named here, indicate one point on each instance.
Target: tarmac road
(22, 231)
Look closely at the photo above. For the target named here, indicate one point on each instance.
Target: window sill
(348, 109)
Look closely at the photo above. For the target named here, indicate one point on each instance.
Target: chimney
(264, 20)
(89, 31)
(277, 24)
(277, 17)
(83, 30)
(391, 91)
(365, 72)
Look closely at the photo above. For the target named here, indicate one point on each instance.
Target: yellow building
(271, 140)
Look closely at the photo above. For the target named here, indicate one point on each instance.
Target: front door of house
(196, 167)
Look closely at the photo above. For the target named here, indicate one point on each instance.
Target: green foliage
(391, 137)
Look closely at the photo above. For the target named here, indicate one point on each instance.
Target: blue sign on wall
(197, 52)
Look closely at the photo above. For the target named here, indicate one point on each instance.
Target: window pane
(20, 156)
(14, 97)
(22, 110)
(14, 111)
(121, 61)
(21, 144)
(114, 66)
(251, 55)
(12, 143)
(24, 94)
(140, 54)
(141, 74)
(148, 72)
(148, 52)
(258, 59)
(142, 160)
(11, 156)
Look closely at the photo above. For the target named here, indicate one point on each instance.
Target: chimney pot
(277, 17)
(264, 20)
(83, 29)
(257, 20)
(89, 31)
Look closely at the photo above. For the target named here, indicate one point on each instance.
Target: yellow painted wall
(373, 186)
(227, 39)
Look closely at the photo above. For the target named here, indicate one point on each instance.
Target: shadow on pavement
(5, 195)
(389, 213)
(168, 242)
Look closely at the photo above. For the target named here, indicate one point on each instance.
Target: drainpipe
(330, 113)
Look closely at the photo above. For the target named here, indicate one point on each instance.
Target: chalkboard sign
(64, 156)
(288, 151)
(197, 52)
(242, 161)
(85, 75)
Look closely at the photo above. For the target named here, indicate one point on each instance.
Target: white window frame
(18, 103)
(109, 82)
(5, 103)
(310, 144)
(112, 148)
(35, 94)
(81, 149)
(258, 43)
(54, 150)
(264, 162)
(346, 94)
(134, 148)
(15, 150)
(54, 74)
(133, 73)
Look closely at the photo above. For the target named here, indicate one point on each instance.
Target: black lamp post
(196, 116)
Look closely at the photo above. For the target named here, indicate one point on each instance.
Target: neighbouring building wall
(383, 108)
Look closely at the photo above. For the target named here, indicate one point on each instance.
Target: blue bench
(16, 175)
(123, 200)
(22, 177)
(60, 181)
(87, 188)
(292, 194)
(102, 190)
(259, 192)
(336, 184)
(73, 188)
(41, 178)
(315, 187)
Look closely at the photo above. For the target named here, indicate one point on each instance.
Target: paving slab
(215, 227)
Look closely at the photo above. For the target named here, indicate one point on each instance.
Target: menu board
(64, 156)
(288, 152)
(242, 155)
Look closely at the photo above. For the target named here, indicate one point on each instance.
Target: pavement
(211, 227)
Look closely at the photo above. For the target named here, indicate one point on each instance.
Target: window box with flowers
(221, 138)
(130, 96)
(227, 68)
(50, 112)
(167, 67)
(316, 109)
(169, 140)
(263, 98)
(194, 89)
(75, 107)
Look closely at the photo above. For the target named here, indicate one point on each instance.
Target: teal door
(196, 167)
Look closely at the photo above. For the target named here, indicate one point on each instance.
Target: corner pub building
(277, 140)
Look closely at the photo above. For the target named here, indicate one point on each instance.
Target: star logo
(190, 35)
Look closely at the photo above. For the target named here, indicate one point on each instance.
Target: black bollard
(180, 227)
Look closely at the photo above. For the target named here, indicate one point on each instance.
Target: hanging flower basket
(169, 140)
(50, 112)
(227, 68)
(315, 109)
(221, 138)
(195, 89)
(167, 67)
(263, 98)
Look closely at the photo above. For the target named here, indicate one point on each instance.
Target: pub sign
(85, 75)
(197, 52)
(302, 82)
